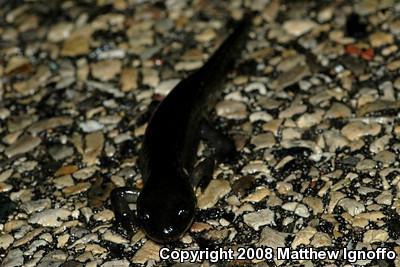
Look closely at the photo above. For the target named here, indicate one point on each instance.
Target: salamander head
(166, 211)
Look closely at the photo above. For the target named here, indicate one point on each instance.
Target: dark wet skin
(166, 205)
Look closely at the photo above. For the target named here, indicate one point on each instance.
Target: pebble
(321, 240)
(129, 79)
(375, 236)
(104, 215)
(385, 157)
(352, 206)
(77, 44)
(272, 238)
(255, 167)
(377, 106)
(85, 173)
(6, 240)
(357, 129)
(216, 190)
(51, 123)
(60, 32)
(50, 217)
(36, 205)
(303, 237)
(76, 189)
(338, 110)
(379, 39)
(14, 258)
(206, 35)
(263, 140)
(23, 145)
(290, 77)
(106, 70)
(298, 27)
(231, 109)
(149, 250)
(54, 258)
(259, 218)
(63, 181)
(91, 126)
(114, 263)
(114, 237)
(164, 87)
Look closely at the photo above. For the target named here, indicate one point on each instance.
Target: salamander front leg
(120, 199)
(224, 148)
(203, 173)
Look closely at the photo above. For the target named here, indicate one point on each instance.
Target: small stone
(321, 240)
(205, 36)
(23, 145)
(28, 237)
(260, 116)
(378, 39)
(385, 157)
(272, 238)
(385, 198)
(104, 215)
(292, 110)
(59, 32)
(338, 110)
(259, 218)
(14, 258)
(114, 237)
(115, 263)
(149, 251)
(77, 44)
(61, 152)
(51, 123)
(50, 217)
(393, 65)
(231, 109)
(378, 106)
(258, 195)
(85, 173)
(290, 77)
(165, 87)
(255, 167)
(302, 211)
(375, 236)
(298, 27)
(303, 237)
(352, 206)
(315, 203)
(308, 120)
(357, 129)
(214, 192)
(63, 181)
(94, 142)
(36, 205)
(91, 126)
(106, 70)
(76, 189)
(6, 240)
(263, 140)
(64, 170)
(129, 79)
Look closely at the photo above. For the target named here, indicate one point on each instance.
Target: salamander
(166, 205)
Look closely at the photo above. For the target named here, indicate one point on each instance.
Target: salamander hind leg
(120, 199)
